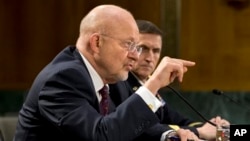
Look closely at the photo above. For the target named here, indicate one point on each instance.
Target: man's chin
(142, 74)
(122, 77)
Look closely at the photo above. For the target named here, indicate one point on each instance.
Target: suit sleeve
(175, 120)
(68, 102)
(154, 133)
(170, 120)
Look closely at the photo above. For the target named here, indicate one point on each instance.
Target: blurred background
(213, 33)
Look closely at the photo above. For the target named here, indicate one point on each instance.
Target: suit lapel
(132, 83)
(77, 56)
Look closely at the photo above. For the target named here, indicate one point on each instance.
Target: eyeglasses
(130, 46)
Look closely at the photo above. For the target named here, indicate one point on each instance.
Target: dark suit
(62, 106)
(120, 91)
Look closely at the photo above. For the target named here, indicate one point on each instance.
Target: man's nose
(149, 55)
(133, 55)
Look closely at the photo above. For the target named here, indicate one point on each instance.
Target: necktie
(104, 101)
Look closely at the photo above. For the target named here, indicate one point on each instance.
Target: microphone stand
(218, 92)
(197, 112)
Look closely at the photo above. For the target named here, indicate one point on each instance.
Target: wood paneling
(213, 34)
(217, 38)
(32, 32)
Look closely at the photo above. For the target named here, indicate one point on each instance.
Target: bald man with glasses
(68, 99)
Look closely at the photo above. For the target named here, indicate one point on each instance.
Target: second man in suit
(150, 40)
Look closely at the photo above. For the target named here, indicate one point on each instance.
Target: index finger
(185, 62)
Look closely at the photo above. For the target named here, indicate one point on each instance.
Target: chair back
(1, 136)
(7, 128)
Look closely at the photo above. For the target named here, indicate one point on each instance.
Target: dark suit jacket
(62, 106)
(120, 91)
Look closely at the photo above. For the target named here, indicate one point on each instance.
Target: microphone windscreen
(217, 92)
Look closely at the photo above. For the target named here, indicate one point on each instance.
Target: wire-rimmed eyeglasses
(130, 46)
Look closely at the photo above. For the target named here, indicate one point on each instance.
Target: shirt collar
(141, 82)
(97, 81)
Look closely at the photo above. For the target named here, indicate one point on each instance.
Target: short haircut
(148, 27)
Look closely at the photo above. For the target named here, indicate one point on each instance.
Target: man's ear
(95, 42)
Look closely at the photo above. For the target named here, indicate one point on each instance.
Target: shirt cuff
(150, 99)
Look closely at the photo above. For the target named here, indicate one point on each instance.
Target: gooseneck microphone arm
(184, 99)
(218, 92)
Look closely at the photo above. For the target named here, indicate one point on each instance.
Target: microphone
(185, 100)
(219, 92)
